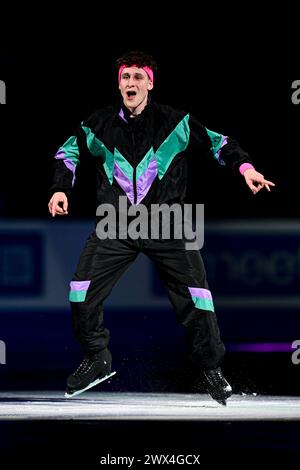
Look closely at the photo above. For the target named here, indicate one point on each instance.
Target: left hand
(256, 181)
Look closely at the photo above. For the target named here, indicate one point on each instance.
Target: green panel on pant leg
(203, 304)
(77, 296)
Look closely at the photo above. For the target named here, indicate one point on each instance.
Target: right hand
(54, 204)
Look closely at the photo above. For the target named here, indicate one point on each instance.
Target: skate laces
(83, 367)
(215, 376)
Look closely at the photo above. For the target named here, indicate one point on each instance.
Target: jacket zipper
(134, 170)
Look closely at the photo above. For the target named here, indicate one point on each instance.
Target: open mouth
(130, 93)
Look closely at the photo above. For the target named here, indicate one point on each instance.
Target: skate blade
(223, 400)
(92, 384)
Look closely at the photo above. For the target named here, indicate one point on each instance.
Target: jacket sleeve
(224, 149)
(66, 161)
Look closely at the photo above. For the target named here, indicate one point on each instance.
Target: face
(134, 86)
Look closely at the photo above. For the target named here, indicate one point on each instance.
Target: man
(142, 151)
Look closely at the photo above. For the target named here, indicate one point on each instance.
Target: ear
(150, 85)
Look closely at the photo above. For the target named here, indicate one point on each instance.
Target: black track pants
(182, 272)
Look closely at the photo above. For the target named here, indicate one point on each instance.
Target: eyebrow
(136, 74)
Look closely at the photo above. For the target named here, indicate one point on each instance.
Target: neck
(135, 111)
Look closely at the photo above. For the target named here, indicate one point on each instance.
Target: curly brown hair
(138, 58)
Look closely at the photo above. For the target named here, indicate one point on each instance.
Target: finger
(268, 187)
(65, 206)
(52, 208)
(269, 183)
(259, 180)
(60, 211)
(259, 187)
(56, 210)
(255, 189)
(252, 187)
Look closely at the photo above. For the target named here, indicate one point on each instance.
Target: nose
(130, 81)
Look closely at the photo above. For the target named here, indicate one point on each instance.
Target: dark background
(244, 92)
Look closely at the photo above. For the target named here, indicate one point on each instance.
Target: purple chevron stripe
(199, 292)
(224, 142)
(124, 182)
(60, 155)
(144, 182)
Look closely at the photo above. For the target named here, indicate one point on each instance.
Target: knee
(78, 291)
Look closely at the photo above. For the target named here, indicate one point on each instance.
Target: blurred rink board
(249, 265)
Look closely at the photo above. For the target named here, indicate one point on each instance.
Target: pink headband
(147, 69)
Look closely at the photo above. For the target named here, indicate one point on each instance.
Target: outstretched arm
(228, 152)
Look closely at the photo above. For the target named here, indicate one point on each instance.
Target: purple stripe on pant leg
(124, 182)
(199, 292)
(79, 285)
(144, 182)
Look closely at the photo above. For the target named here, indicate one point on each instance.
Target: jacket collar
(124, 113)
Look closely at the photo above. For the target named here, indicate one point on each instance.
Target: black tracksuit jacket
(145, 158)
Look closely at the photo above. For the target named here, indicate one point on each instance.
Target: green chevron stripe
(124, 164)
(97, 148)
(216, 141)
(143, 165)
(71, 149)
(175, 143)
